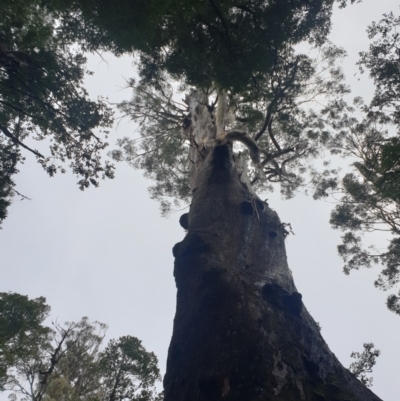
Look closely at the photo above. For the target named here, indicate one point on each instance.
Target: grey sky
(106, 253)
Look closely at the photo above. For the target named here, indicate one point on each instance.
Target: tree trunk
(241, 331)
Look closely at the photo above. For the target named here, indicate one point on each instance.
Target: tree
(39, 372)
(241, 330)
(42, 98)
(370, 197)
(21, 329)
(66, 363)
(129, 371)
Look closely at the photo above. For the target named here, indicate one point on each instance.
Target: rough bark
(241, 331)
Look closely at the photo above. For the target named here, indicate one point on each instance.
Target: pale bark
(241, 331)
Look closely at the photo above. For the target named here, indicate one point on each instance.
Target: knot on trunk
(278, 297)
(184, 221)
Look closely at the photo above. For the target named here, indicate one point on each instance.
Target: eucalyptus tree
(370, 195)
(241, 331)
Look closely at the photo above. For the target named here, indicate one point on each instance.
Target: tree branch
(272, 156)
(268, 119)
(8, 134)
(21, 195)
(271, 135)
(222, 20)
(264, 126)
(19, 110)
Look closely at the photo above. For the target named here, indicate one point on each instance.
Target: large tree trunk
(241, 331)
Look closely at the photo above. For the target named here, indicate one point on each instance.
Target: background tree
(21, 329)
(129, 371)
(76, 373)
(370, 197)
(67, 362)
(34, 374)
(42, 98)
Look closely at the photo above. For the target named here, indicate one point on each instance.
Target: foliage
(370, 195)
(200, 43)
(21, 329)
(274, 109)
(75, 360)
(364, 362)
(382, 63)
(34, 374)
(246, 47)
(216, 43)
(129, 371)
(42, 98)
(66, 362)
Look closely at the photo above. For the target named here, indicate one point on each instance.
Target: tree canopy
(201, 43)
(276, 110)
(42, 65)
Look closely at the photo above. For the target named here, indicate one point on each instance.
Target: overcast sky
(106, 253)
